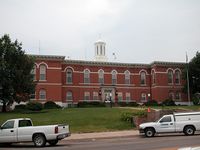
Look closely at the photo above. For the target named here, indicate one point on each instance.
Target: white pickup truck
(22, 130)
(187, 123)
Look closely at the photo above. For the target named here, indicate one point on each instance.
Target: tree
(194, 78)
(194, 74)
(16, 80)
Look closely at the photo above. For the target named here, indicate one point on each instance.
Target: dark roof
(99, 63)
(51, 57)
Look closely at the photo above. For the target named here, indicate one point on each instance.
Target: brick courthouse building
(68, 82)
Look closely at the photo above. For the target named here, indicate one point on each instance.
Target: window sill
(42, 99)
(69, 83)
(42, 80)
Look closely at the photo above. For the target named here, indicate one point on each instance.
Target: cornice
(47, 57)
(113, 64)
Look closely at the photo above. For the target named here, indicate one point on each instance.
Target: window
(114, 77)
(171, 95)
(42, 94)
(69, 76)
(95, 96)
(42, 72)
(87, 96)
(25, 123)
(128, 97)
(142, 78)
(101, 77)
(177, 77)
(170, 77)
(143, 97)
(69, 96)
(153, 77)
(120, 96)
(127, 77)
(8, 125)
(166, 119)
(86, 76)
(178, 96)
(33, 72)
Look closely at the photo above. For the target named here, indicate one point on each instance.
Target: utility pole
(188, 82)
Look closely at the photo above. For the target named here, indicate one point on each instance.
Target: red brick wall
(56, 86)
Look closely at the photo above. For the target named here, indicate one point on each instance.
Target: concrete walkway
(101, 135)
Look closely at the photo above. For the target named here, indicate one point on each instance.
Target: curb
(102, 135)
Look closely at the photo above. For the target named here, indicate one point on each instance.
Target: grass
(79, 119)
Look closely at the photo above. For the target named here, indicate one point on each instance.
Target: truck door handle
(171, 123)
(11, 130)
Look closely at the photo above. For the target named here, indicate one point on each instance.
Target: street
(164, 142)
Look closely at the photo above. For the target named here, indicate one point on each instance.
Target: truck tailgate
(63, 129)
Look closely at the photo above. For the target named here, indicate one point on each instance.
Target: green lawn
(79, 119)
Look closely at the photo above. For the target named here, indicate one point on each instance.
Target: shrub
(151, 103)
(90, 104)
(196, 99)
(125, 104)
(20, 107)
(128, 116)
(34, 106)
(168, 102)
(51, 105)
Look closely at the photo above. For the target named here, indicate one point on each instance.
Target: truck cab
(11, 128)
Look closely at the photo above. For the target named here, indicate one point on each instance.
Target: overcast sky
(138, 31)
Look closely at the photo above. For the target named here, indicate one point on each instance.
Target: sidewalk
(101, 135)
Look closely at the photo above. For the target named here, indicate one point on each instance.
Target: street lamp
(110, 99)
(149, 96)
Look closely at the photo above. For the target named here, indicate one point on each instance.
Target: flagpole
(188, 82)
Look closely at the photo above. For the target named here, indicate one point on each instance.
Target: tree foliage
(194, 74)
(16, 82)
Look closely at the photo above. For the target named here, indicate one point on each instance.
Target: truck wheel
(53, 142)
(189, 130)
(39, 140)
(149, 132)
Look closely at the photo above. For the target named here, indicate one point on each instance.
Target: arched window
(143, 97)
(142, 78)
(86, 76)
(101, 76)
(177, 77)
(86, 96)
(42, 72)
(178, 96)
(42, 94)
(69, 96)
(33, 72)
(69, 76)
(171, 96)
(170, 77)
(153, 77)
(127, 77)
(114, 77)
(128, 97)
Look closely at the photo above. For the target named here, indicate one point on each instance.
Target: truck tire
(189, 130)
(149, 132)
(53, 142)
(39, 140)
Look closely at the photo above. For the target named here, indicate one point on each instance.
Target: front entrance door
(108, 95)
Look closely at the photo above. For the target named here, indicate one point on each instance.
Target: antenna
(39, 47)
(114, 55)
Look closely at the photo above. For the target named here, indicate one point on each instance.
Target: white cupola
(100, 50)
